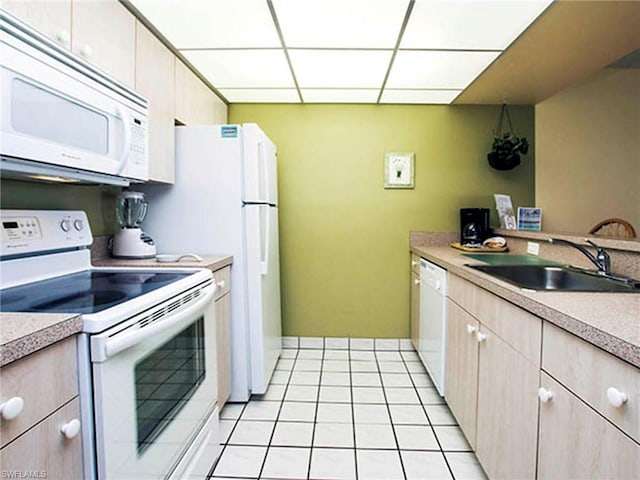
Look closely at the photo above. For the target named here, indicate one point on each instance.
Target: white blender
(131, 241)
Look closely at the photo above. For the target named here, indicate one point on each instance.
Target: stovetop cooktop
(84, 292)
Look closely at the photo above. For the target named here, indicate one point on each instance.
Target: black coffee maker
(474, 225)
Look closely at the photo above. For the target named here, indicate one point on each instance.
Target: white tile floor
(345, 414)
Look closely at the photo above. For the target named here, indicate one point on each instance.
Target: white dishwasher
(433, 319)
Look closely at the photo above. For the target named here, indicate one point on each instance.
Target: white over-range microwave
(61, 119)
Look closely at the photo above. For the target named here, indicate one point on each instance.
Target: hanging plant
(507, 146)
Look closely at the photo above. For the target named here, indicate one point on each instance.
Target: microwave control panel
(138, 149)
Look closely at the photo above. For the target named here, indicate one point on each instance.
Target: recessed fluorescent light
(340, 68)
(419, 96)
(242, 68)
(469, 24)
(437, 70)
(260, 95)
(336, 95)
(340, 23)
(212, 24)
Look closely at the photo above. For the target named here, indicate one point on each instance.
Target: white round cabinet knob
(616, 397)
(71, 428)
(416, 281)
(11, 408)
(544, 395)
(414, 263)
(480, 337)
(471, 329)
(86, 51)
(221, 284)
(63, 37)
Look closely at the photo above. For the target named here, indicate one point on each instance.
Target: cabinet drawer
(576, 442)
(45, 449)
(519, 328)
(415, 263)
(44, 380)
(589, 372)
(222, 278)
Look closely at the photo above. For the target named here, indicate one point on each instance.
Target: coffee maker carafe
(131, 241)
(474, 226)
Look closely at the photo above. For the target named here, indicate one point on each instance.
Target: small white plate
(494, 242)
(178, 258)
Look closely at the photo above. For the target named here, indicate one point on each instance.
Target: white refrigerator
(225, 201)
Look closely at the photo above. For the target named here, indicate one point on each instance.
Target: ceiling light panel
(212, 23)
(242, 68)
(257, 95)
(336, 95)
(340, 68)
(419, 96)
(340, 23)
(437, 70)
(469, 24)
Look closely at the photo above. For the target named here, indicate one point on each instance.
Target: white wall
(588, 152)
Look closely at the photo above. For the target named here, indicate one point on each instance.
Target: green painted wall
(99, 202)
(344, 238)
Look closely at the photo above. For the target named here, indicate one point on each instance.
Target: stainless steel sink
(552, 278)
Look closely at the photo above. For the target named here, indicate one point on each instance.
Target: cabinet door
(45, 449)
(415, 309)
(223, 347)
(461, 368)
(576, 442)
(196, 104)
(52, 19)
(104, 33)
(155, 79)
(507, 409)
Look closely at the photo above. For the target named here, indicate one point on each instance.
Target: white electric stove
(146, 356)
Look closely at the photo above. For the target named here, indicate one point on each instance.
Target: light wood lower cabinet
(222, 306)
(33, 442)
(576, 442)
(492, 378)
(461, 368)
(414, 311)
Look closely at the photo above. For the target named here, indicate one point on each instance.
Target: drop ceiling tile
(340, 23)
(212, 23)
(242, 68)
(340, 68)
(419, 96)
(337, 95)
(469, 24)
(261, 95)
(437, 70)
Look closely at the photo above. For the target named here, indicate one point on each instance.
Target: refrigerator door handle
(264, 177)
(264, 261)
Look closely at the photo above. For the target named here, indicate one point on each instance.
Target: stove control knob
(78, 224)
(65, 224)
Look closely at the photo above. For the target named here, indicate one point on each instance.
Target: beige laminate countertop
(24, 333)
(611, 321)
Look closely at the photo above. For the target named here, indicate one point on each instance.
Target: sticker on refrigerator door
(229, 131)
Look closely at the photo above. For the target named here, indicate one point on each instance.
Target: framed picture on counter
(398, 169)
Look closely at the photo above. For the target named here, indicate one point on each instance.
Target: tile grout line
(315, 415)
(353, 412)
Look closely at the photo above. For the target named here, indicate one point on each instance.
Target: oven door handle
(128, 339)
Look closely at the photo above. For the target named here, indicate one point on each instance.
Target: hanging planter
(507, 146)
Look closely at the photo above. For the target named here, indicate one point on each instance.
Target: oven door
(154, 381)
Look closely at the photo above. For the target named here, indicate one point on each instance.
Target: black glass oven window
(165, 381)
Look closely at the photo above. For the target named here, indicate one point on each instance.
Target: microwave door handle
(126, 339)
(126, 133)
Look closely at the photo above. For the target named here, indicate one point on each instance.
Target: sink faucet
(602, 260)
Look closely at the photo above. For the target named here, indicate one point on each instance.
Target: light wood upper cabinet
(104, 33)
(155, 79)
(196, 104)
(52, 19)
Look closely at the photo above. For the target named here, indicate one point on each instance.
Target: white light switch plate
(533, 248)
